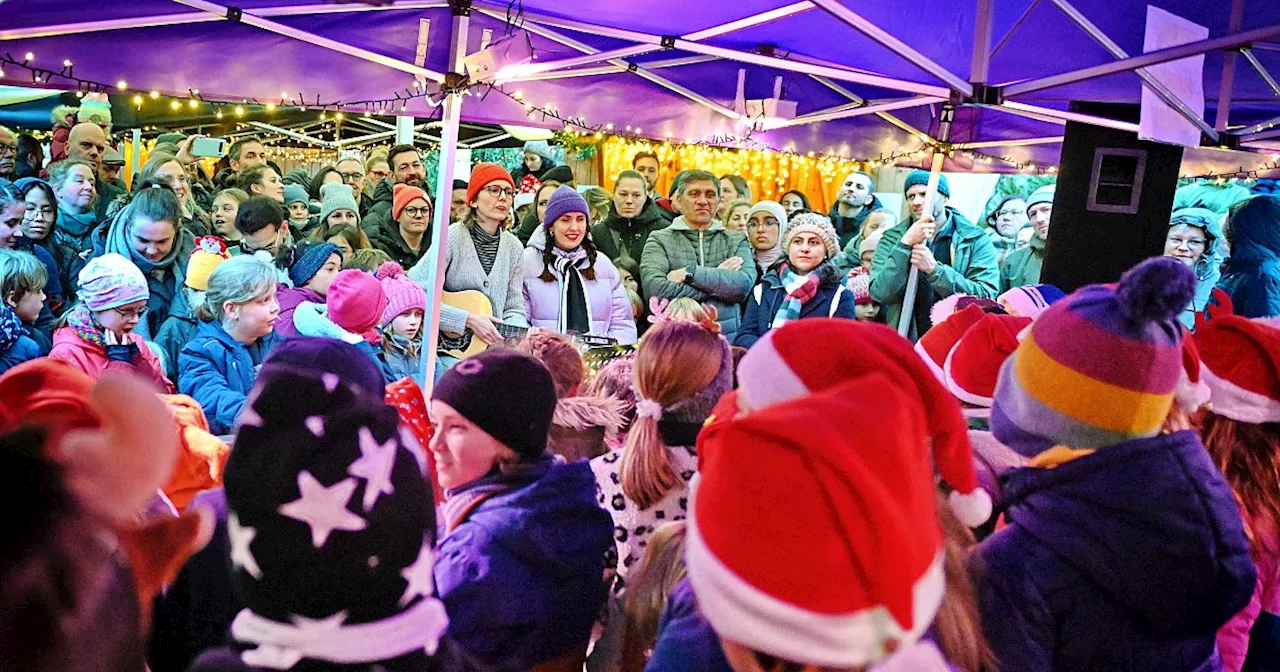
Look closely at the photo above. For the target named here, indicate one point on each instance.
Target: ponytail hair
(237, 280)
(675, 361)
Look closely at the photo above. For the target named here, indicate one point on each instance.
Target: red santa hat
(846, 566)
(937, 343)
(973, 365)
(1241, 365)
(807, 356)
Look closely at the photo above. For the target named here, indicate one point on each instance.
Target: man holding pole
(950, 253)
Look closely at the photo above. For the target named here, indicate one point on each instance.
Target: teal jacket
(679, 246)
(974, 270)
(1022, 266)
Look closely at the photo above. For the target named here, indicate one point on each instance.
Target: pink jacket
(607, 300)
(92, 359)
(1233, 638)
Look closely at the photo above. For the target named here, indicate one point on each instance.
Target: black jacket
(618, 237)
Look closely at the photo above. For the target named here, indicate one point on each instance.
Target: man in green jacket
(953, 256)
(696, 257)
(1022, 266)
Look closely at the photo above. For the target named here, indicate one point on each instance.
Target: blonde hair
(598, 201)
(675, 361)
(365, 260)
(237, 280)
(21, 273)
(559, 355)
(648, 589)
(685, 309)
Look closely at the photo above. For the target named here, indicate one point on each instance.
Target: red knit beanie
(485, 174)
(356, 301)
(401, 194)
(48, 393)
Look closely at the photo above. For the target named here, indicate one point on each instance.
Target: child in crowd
(681, 370)
(220, 363)
(520, 563)
(1124, 547)
(353, 307)
(225, 207)
(177, 331)
(559, 355)
(653, 580)
(16, 344)
(402, 323)
(22, 281)
(368, 261)
(614, 381)
(1241, 430)
(867, 251)
(331, 533)
(1029, 301)
(296, 201)
(312, 269)
(865, 308)
(97, 334)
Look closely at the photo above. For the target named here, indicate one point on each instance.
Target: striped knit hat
(1099, 367)
(1029, 301)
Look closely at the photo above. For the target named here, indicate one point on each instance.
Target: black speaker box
(1112, 205)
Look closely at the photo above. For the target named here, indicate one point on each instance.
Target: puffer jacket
(974, 270)
(1253, 635)
(174, 333)
(831, 300)
(312, 319)
(1093, 573)
(618, 236)
(71, 244)
(218, 371)
(1252, 277)
(379, 208)
(386, 237)
(92, 358)
(681, 246)
(521, 576)
(607, 303)
(16, 344)
(290, 298)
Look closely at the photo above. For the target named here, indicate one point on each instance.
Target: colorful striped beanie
(1099, 367)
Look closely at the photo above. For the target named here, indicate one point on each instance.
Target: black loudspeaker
(1112, 205)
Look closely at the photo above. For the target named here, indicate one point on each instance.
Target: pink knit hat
(356, 301)
(402, 293)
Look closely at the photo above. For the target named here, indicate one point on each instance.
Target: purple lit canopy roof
(684, 92)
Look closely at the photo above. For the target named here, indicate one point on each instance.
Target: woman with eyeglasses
(482, 256)
(1006, 222)
(410, 236)
(96, 335)
(148, 233)
(39, 214)
(165, 168)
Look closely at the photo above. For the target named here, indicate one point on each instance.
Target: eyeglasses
(43, 213)
(767, 224)
(351, 176)
(1011, 213)
(417, 212)
(500, 192)
(9, 150)
(136, 313)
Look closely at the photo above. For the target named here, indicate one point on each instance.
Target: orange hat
(485, 174)
(401, 195)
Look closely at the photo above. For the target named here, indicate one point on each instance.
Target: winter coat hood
(1125, 537)
(1255, 238)
(290, 298)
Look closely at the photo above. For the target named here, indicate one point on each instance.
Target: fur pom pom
(972, 509)
(1157, 289)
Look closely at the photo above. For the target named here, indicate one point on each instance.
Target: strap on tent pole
(930, 193)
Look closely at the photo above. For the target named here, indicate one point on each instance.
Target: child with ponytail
(681, 371)
(1241, 430)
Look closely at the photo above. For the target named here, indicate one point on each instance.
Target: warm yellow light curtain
(768, 174)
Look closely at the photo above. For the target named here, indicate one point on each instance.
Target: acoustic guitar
(475, 302)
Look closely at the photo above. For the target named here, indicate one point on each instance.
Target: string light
(193, 104)
(122, 85)
(154, 94)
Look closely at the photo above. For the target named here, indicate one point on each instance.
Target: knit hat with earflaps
(806, 356)
(1099, 367)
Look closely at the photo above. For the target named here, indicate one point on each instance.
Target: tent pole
(1261, 126)
(930, 193)
(895, 45)
(1024, 142)
(1013, 29)
(404, 130)
(750, 21)
(135, 156)
(983, 25)
(1228, 70)
(1037, 112)
(1179, 52)
(586, 59)
(1262, 71)
(452, 113)
(854, 110)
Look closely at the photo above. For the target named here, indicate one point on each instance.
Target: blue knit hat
(308, 257)
(565, 199)
(294, 194)
(922, 177)
(539, 147)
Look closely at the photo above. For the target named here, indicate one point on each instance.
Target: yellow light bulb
(239, 110)
(154, 94)
(193, 103)
(175, 105)
(137, 100)
(122, 85)
(30, 56)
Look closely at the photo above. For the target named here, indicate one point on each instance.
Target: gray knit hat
(539, 147)
(337, 196)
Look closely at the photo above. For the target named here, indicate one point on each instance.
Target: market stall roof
(873, 73)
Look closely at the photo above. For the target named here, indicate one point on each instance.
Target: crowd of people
(691, 440)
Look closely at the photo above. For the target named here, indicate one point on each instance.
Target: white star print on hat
(419, 574)
(240, 538)
(323, 509)
(374, 465)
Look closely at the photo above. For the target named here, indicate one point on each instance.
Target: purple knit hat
(565, 199)
(110, 281)
(356, 301)
(1099, 367)
(402, 293)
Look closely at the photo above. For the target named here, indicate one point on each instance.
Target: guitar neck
(511, 330)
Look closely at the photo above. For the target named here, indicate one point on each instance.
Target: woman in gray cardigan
(482, 256)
